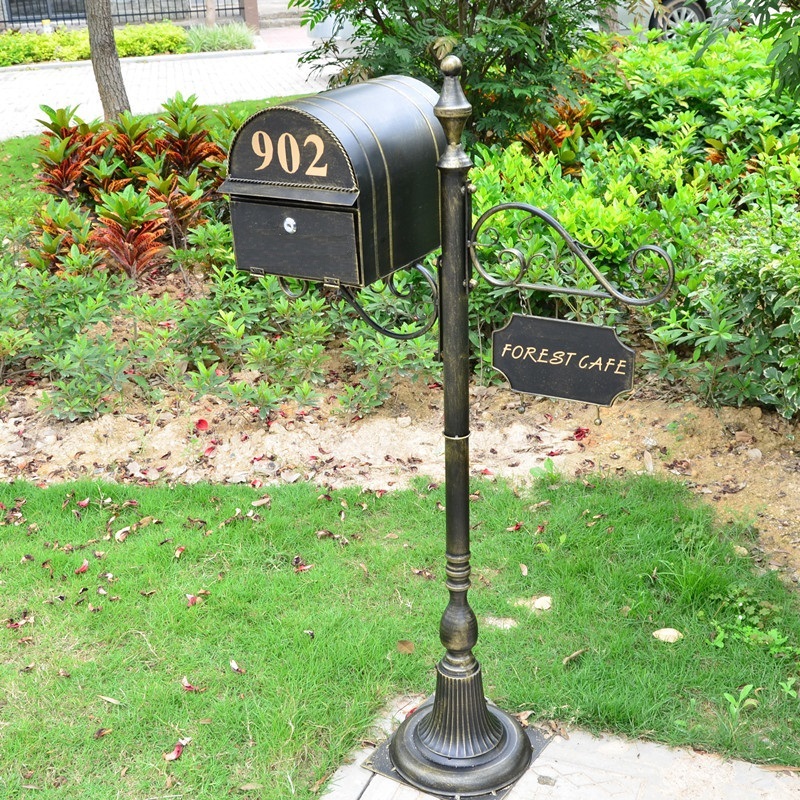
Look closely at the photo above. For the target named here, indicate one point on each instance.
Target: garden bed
(743, 461)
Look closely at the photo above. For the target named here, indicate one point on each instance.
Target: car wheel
(675, 13)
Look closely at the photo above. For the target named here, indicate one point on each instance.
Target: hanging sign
(567, 360)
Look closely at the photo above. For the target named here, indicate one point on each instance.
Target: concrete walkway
(269, 71)
(586, 767)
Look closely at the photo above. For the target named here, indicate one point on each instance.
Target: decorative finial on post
(453, 110)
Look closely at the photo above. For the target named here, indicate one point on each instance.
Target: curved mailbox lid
(394, 141)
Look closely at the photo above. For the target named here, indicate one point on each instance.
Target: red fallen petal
(555, 452)
(201, 425)
(188, 686)
(486, 471)
(83, 567)
(257, 483)
(177, 750)
(83, 503)
(192, 598)
(209, 450)
(580, 433)
(179, 551)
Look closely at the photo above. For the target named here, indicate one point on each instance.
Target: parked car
(666, 15)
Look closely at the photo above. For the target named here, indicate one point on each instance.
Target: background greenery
(514, 52)
(682, 143)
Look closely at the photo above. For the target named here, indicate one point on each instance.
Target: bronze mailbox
(340, 187)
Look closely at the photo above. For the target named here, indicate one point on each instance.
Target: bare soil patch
(744, 462)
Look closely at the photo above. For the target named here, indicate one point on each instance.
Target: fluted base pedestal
(457, 744)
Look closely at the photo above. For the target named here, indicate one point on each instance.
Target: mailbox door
(317, 244)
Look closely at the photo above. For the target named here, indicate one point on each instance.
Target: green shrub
(661, 89)
(726, 215)
(627, 195)
(25, 48)
(229, 36)
(151, 39)
(514, 54)
(71, 45)
(740, 330)
(731, 329)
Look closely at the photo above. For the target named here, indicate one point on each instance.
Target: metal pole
(456, 743)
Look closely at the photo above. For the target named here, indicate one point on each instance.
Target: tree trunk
(211, 13)
(105, 59)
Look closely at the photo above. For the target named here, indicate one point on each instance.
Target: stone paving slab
(587, 767)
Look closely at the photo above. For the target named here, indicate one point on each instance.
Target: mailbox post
(456, 743)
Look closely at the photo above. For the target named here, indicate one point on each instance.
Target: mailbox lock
(289, 225)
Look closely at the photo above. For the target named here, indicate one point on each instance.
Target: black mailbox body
(341, 187)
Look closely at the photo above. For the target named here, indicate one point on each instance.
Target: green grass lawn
(100, 628)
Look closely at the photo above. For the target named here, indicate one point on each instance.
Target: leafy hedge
(685, 147)
(738, 334)
(721, 94)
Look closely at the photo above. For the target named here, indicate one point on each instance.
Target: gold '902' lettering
(290, 159)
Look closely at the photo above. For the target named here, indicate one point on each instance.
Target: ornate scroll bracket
(524, 261)
(424, 321)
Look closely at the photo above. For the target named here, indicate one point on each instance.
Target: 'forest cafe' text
(518, 352)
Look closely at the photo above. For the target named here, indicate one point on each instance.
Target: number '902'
(291, 157)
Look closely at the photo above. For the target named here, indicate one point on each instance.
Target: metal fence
(30, 13)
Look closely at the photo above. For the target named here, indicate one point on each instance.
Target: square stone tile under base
(380, 762)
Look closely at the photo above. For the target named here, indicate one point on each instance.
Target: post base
(461, 776)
